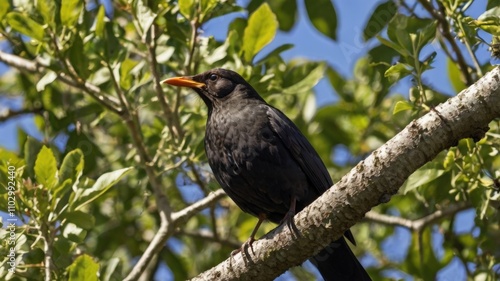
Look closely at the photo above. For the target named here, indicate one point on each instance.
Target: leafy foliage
(90, 207)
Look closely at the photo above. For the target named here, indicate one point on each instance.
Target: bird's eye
(213, 77)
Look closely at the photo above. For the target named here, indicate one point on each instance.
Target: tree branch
(419, 224)
(372, 182)
(209, 236)
(6, 115)
(183, 215)
(34, 66)
(445, 31)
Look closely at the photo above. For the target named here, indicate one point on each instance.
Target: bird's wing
(300, 149)
(303, 152)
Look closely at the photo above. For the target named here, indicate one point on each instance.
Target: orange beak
(183, 82)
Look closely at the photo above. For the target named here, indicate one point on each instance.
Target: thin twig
(419, 224)
(183, 215)
(172, 122)
(36, 66)
(14, 113)
(445, 31)
(207, 235)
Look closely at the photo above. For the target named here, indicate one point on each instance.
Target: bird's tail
(338, 263)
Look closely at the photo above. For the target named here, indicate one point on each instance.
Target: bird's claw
(290, 223)
(244, 247)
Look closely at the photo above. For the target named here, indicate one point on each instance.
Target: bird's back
(251, 161)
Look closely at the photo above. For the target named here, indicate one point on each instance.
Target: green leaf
(303, 77)
(422, 176)
(397, 71)
(74, 53)
(74, 233)
(449, 160)
(286, 13)
(47, 9)
(46, 168)
(323, 16)
(260, 31)
(70, 12)
(80, 219)
(402, 106)
(31, 149)
(492, 4)
(48, 78)
(207, 7)
(84, 268)
(103, 183)
(99, 22)
(490, 24)
(393, 46)
(186, 7)
(455, 76)
(60, 196)
(379, 19)
(337, 82)
(112, 265)
(25, 25)
(4, 8)
(421, 261)
(125, 79)
(276, 52)
(144, 15)
(72, 166)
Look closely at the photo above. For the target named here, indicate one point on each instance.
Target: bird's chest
(238, 138)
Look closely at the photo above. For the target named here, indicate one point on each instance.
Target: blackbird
(264, 163)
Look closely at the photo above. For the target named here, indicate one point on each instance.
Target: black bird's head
(216, 86)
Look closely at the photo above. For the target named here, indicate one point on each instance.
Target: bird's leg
(288, 219)
(251, 239)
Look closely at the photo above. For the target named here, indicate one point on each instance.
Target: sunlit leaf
(402, 106)
(71, 11)
(100, 22)
(303, 77)
(490, 24)
(25, 25)
(4, 8)
(260, 31)
(186, 7)
(46, 168)
(84, 268)
(397, 71)
(74, 233)
(103, 184)
(145, 16)
(424, 175)
(455, 76)
(276, 52)
(48, 78)
(48, 9)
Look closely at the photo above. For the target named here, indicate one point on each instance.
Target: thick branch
(372, 182)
